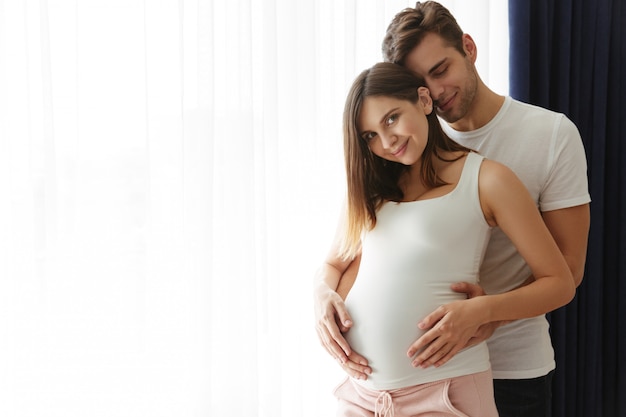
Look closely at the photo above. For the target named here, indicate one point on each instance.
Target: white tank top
(409, 260)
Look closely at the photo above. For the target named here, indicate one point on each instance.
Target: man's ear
(423, 94)
(469, 46)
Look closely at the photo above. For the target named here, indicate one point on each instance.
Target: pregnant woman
(418, 214)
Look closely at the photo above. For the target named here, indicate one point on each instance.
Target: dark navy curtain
(569, 56)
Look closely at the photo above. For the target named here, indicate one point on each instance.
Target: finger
(455, 348)
(471, 290)
(438, 356)
(330, 331)
(432, 319)
(462, 287)
(339, 340)
(330, 344)
(473, 341)
(483, 333)
(425, 340)
(356, 358)
(343, 317)
(431, 354)
(355, 373)
(355, 369)
(449, 355)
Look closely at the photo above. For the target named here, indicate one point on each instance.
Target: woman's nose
(388, 140)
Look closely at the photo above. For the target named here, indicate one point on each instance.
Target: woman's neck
(446, 165)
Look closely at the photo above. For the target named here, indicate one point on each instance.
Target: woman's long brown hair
(372, 180)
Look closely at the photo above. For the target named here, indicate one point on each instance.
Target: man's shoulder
(532, 109)
(533, 118)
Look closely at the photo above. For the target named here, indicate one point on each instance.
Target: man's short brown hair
(408, 28)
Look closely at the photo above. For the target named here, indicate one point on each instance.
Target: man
(543, 148)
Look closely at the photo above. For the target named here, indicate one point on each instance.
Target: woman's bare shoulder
(499, 188)
(493, 171)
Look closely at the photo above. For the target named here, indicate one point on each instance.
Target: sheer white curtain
(170, 177)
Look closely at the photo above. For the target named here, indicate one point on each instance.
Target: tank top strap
(467, 188)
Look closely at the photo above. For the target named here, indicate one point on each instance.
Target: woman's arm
(507, 204)
(333, 281)
(332, 318)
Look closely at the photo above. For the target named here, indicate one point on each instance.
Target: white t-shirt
(409, 260)
(545, 150)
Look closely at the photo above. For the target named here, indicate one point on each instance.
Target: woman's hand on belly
(356, 366)
(452, 328)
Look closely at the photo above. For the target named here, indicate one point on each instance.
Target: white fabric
(414, 253)
(546, 152)
(171, 172)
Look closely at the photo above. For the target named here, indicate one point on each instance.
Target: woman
(419, 212)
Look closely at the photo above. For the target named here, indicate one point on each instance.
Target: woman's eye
(369, 136)
(391, 119)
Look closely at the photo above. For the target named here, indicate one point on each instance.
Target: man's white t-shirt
(545, 150)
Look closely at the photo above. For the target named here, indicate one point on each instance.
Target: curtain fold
(569, 56)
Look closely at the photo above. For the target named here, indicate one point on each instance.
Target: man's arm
(348, 277)
(570, 229)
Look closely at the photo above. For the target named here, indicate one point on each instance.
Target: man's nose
(436, 90)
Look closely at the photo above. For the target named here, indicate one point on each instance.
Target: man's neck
(484, 108)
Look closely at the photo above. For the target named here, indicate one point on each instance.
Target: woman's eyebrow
(386, 115)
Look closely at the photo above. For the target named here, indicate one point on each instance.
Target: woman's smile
(400, 151)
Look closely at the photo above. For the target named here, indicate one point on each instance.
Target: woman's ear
(423, 94)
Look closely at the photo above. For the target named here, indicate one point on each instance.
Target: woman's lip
(401, 149)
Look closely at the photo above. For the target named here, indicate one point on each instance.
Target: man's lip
(446, 105)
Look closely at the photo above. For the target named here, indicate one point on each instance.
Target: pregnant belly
(385, 325)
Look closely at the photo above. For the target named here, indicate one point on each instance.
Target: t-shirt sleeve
(567, 184)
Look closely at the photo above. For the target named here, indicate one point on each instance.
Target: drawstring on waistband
(385, 402)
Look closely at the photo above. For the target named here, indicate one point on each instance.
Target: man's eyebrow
(438, 64)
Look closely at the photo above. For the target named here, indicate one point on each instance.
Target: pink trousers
(467, 396)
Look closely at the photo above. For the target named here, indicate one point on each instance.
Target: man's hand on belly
(451, 328)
